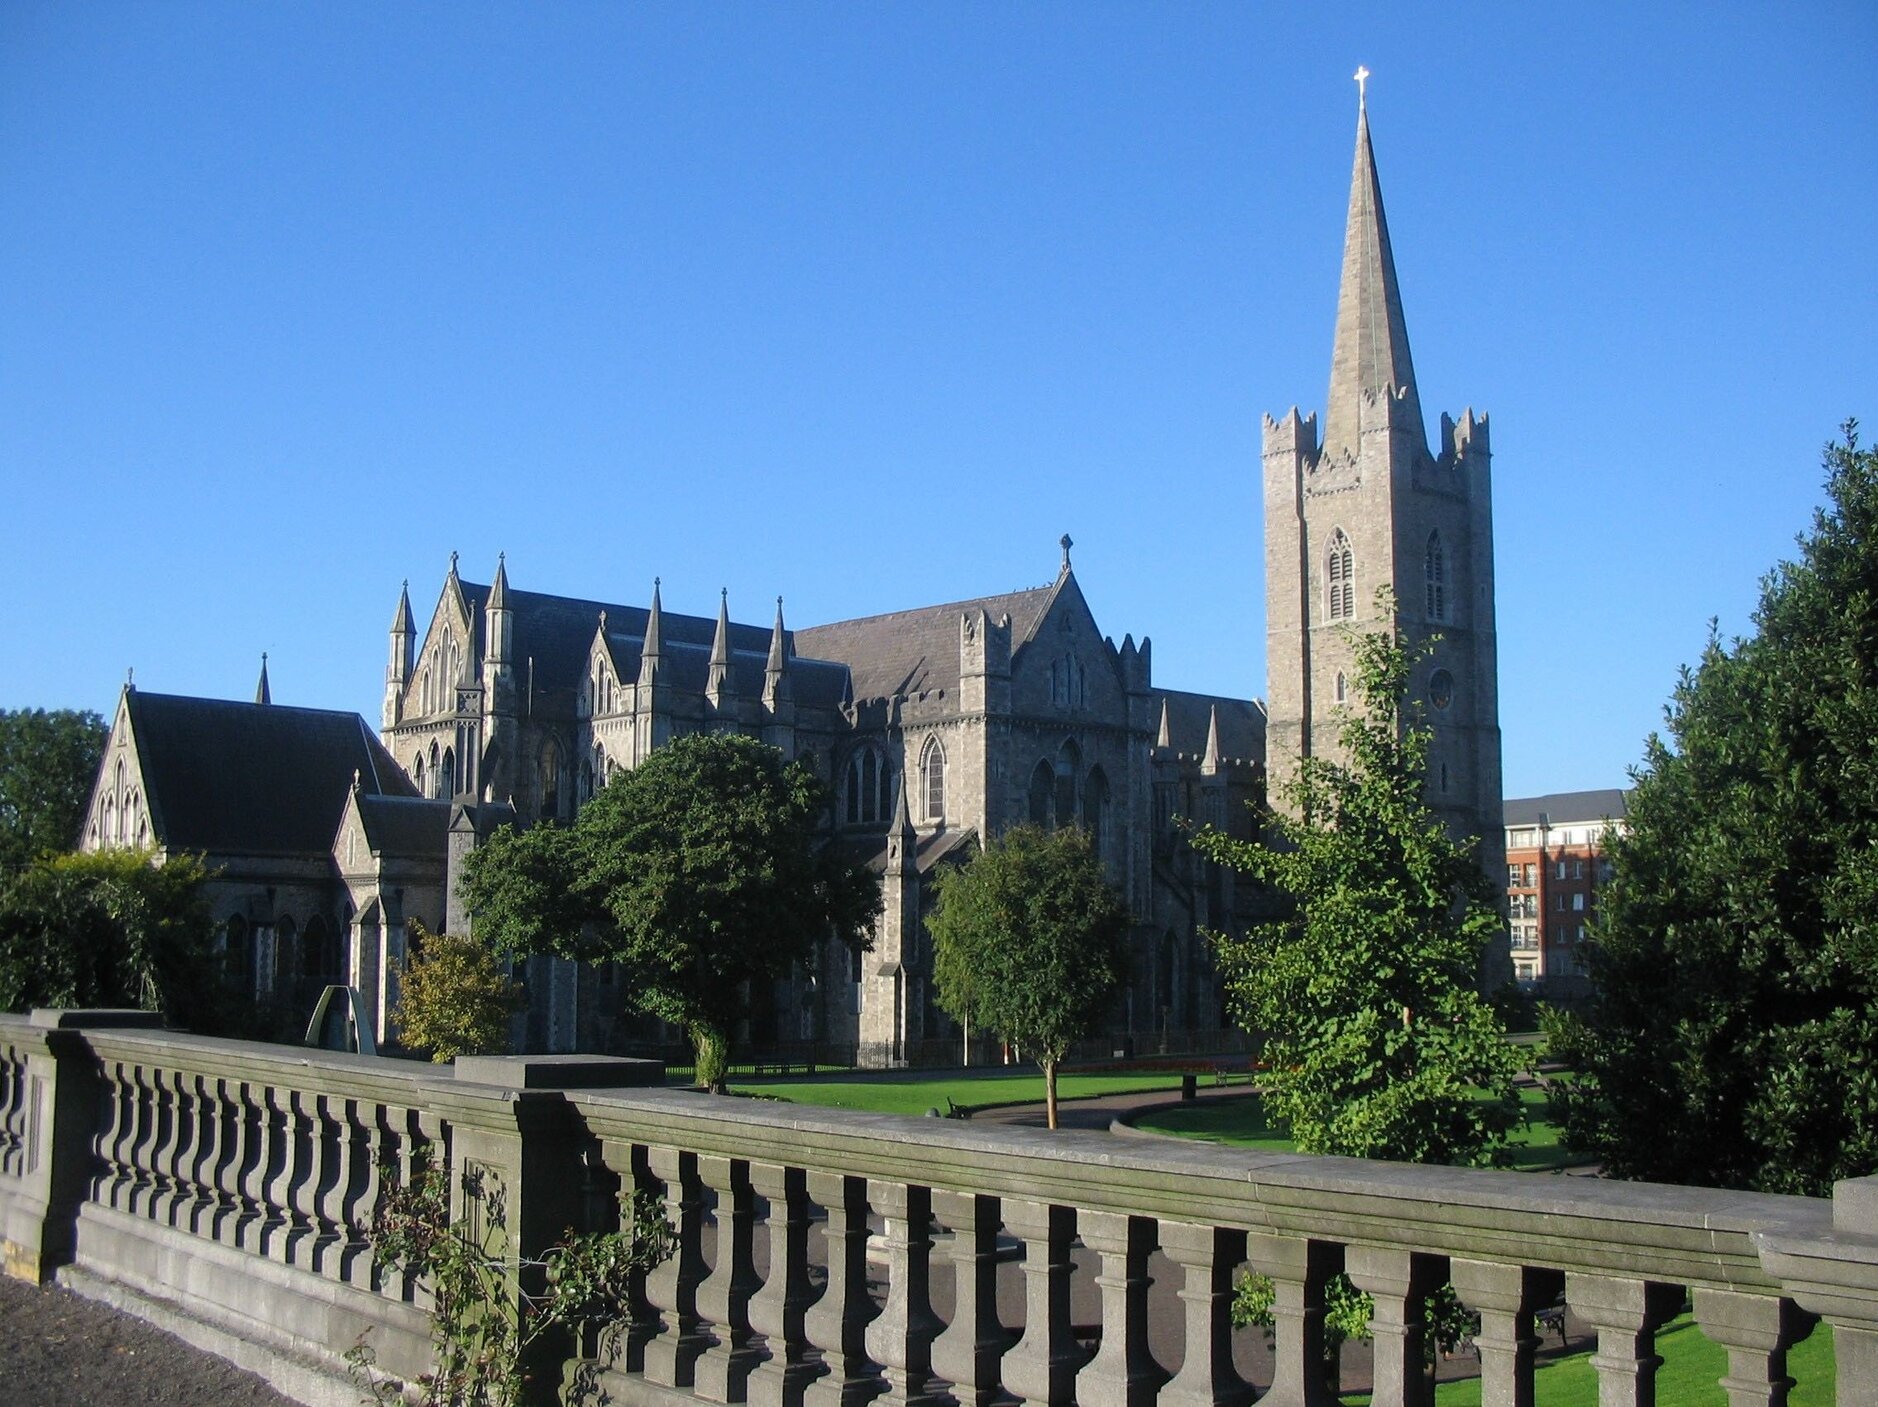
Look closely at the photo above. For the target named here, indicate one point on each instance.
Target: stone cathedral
(934, 728)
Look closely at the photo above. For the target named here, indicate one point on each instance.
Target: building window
(932, 771)
(1578, 903)
(1561, 869)
(1068, 764)
(1558, 903)
(1340, 578)
(869, 787)
(1435, 578)
(1095, 810)
(1343, 687)
(1512, 875)
(237, 951)
(1042, 788)
(1532, 875)
(1578, 869)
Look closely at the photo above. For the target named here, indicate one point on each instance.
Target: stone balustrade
(831, 1259)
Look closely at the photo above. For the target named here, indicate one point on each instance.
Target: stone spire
(501, 629)
(776, 671)
(398, 671)
(649, 654)
(499, 590)
(262, 694)
(401, 618)
(718, 682)
(1210, 760)
(1371, 356)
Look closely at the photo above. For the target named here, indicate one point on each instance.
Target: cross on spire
(1362, 85)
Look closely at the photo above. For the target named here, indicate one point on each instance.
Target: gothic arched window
(1095, 810)
(1042, 787)
(1435, 578)
(1340, 578)
(1343, 687)
(417, 774)
(550, 780)
(932, 773)
(446, 774)
(870, 787)
(1068, 764)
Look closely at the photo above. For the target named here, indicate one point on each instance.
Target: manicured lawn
(1241, 1123)
(892, 1095)
(1690, 1376)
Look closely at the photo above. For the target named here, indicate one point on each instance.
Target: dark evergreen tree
(48, 760)
(1733, 1035)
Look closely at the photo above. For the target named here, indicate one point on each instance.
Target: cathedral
(934, 729)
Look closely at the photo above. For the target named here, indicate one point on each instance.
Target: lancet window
(1340, 578)
(1435, 578)
(932, 772)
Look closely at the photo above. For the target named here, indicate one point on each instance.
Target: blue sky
(867, 305)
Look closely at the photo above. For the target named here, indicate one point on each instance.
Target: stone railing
(833, 1258)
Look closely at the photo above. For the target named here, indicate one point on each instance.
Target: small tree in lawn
(1378, 1043)
(703, 871)
(1028, 939)
(455, 996)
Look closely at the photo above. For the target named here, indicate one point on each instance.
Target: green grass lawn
(1241, 1123)
(893, 1095)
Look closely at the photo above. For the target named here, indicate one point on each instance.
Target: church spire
(650, 650)
(1210, 760)
(1164, 738)
(718, 682)
(776, 671)
(262, 694)
(1371, 356)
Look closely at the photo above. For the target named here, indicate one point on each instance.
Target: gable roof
(1567, 807)
(910, 652)
(406, 826)
(252, 779)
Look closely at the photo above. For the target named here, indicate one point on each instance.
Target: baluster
(966, 1353)
(1122, 1373)
(231, 1141)
(199, 1167)
(143, 1145)
(900, 1340)
(309, 1157)
(336, 1187)
(13, 1096)
(1299, 1271)
(836, 1324)
(1205, 1257)
(255, 1129)
(1625, 1318)
(723, 1369)
(1041, 1366)
(1398, 1282)
(165, 1180)
(671, 1352)
(185, 1149)
(1757, 1331)
(777, 1309)
(283, 1129)
(1505, 1297)
(114, 1138)
(358, 1198)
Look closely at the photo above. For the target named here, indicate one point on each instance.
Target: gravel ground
(58, 1349)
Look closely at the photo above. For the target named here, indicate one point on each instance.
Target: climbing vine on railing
(487, 1311)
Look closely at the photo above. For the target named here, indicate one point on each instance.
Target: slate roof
(555, 631)
(813, 683)
(1567, 807)
(253, 779)
(1241, 723)
(910, 652)
(406, 826)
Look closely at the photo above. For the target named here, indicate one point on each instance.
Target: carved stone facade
(940, 727)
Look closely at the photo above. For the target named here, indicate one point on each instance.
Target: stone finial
(1066, 542)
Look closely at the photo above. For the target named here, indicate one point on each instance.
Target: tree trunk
(1049, 1089)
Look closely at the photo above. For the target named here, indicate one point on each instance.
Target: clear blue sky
(867, 304)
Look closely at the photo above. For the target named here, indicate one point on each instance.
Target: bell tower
(1370, 505)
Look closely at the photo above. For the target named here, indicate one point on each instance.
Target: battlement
(1464, 442)
(1295, 434)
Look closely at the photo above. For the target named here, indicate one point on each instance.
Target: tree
(704, 871)
(1377, 1043)
(455, 996)
(114, 929)
(1028, 939)
(48, 760)
(1732, 1035)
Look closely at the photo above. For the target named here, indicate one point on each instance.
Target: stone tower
(1372, 506)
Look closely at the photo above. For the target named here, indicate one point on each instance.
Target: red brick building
(1555, 863)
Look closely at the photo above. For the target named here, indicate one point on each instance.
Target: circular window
(1441, 688)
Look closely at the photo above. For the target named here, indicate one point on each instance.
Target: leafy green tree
(1732, 1038)
(704, 871)
(48, 760)
(1028, 939)
(113, 929)
(1377, 1043)
(455, 996)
